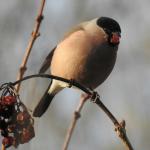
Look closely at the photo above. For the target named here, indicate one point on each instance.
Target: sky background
(125, 92)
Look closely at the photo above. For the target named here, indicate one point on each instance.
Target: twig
(119, 127)
(75, 118)
(34, 36)
(3, 147)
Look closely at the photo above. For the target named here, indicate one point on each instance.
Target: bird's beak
(115, 38)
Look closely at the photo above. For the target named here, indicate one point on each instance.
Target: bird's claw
(94, 97)
(70, 84)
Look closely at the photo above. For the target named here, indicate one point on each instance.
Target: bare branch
(119, 127)
(3, 147)
(75, 118)
(34, 35)
(95, 98)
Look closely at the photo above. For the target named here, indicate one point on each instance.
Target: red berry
(11, 128)
(8, 141)
(8, 100)
(23, 117)
(27, 134)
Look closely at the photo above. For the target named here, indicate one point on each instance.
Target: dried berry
(16, 123)
(7, 111)
(23, 117)
(11, 128)
(8, 100)
(8, 141)
(25, 136)
(3, 124)
(4, 133)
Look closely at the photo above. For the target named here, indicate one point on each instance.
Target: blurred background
(125, 92)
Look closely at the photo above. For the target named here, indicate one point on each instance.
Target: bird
(86, 54)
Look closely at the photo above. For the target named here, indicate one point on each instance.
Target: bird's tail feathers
(54, 87)
(43, 105)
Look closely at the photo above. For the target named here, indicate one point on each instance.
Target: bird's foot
(71, 83)
(93, 97)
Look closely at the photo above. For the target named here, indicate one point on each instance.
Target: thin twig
(119, 127)
(75, 118)
(34, 36)
(3, 147)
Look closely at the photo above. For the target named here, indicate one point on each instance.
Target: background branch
(75, 118)
(34, 35)
(119, 127)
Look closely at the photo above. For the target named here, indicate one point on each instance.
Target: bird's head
(111, 28)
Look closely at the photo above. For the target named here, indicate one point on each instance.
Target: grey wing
(47, 62)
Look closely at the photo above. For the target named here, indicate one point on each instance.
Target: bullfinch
(87, 54)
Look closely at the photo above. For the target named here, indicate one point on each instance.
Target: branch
(119, 127)
(75, 118)
(34, 35)
(3, 147)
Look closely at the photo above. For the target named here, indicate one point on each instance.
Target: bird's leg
(95, 96)
(71, 83)
(85, 96)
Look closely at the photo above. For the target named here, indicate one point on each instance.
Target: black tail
(42, 106)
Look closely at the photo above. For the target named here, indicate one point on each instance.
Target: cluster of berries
(16, 123)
